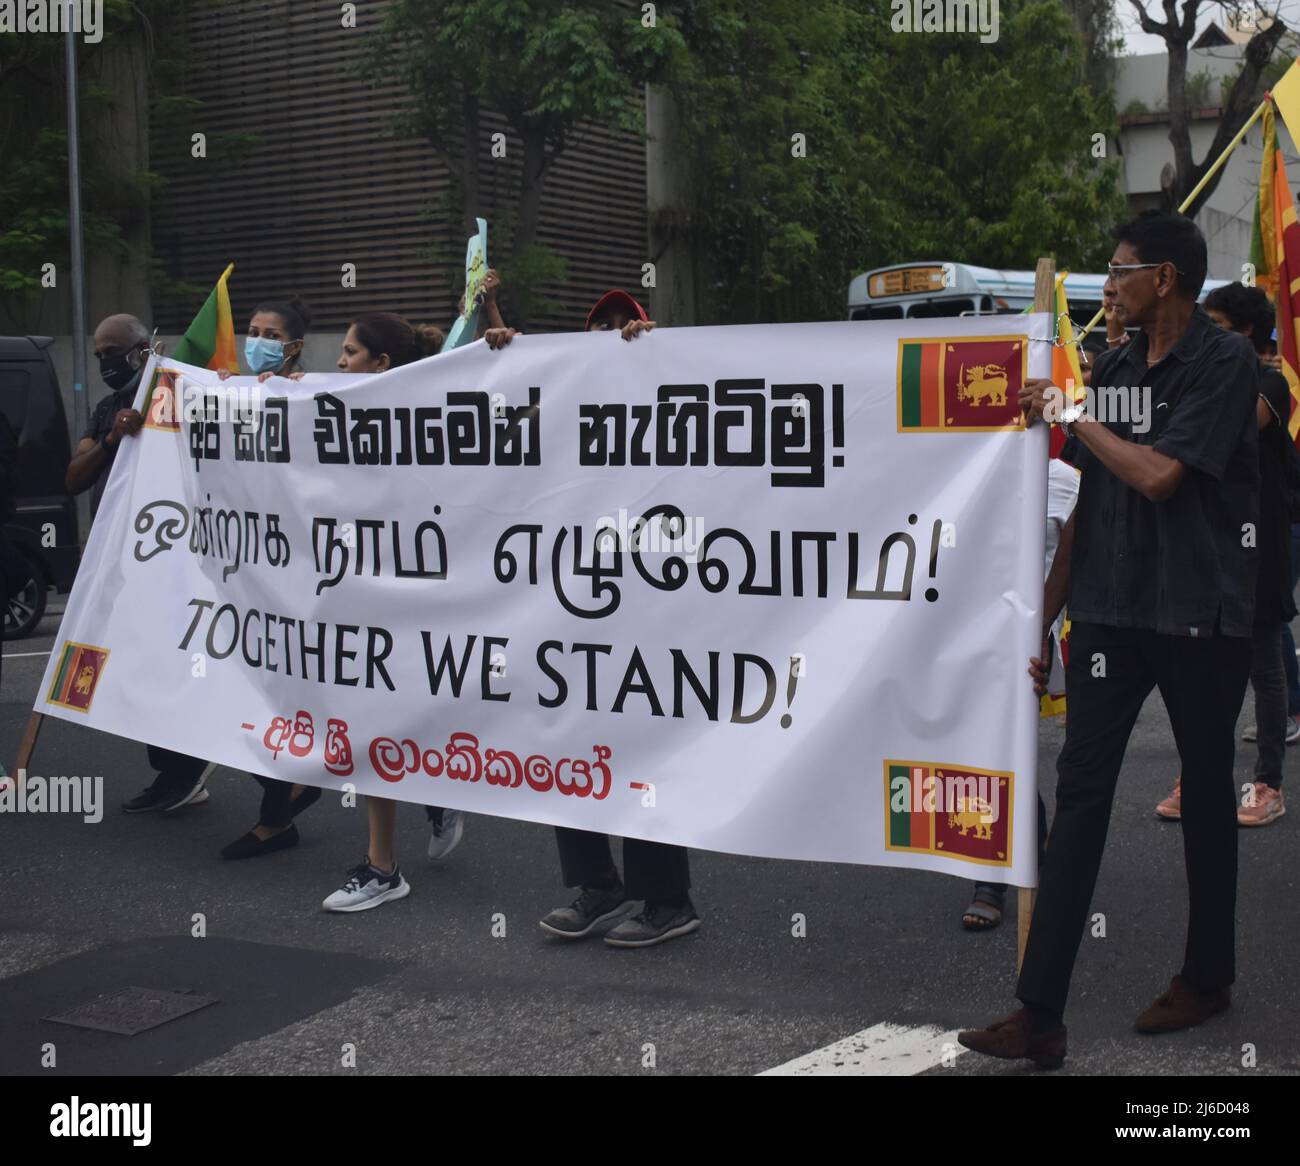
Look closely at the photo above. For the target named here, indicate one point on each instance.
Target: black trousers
(651, 870)
(174, 768)
(279, 806)
(1268, 679)
(1110, 674)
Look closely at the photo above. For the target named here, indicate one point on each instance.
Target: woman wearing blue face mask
(273, 347)
(276, 331)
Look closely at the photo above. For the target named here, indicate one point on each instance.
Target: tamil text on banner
(769, 590)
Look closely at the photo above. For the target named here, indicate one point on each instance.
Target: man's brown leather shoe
(1011, 1040)
(1182, 1006)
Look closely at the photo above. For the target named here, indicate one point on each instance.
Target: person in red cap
(658, 874)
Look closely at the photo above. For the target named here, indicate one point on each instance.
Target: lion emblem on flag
(980, 381)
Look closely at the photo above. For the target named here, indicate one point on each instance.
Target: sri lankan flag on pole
(1263, 231)
(1067, 374)
(209, 341)
(1279, 234)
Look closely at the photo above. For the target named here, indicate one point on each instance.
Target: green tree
(34, 198)
(1238, 99)
(1001, 150)
(917, 146)
(1098, 28)
(774, 113)
(548, 67)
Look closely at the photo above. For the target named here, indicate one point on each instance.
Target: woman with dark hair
(1247, 310)
(276, 331)
(377, 342)
(273, 347)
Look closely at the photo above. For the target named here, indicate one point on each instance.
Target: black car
(43, 527)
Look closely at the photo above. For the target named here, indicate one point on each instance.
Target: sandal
(985, 911)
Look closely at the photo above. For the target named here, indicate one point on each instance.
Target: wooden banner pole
(27, 746)
(1044, 301)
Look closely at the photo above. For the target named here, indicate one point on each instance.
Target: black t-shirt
(101, 425)
(1178, 567)
(1274, 602)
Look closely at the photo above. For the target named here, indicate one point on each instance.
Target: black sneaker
(167, 793)
(655, 923)
(587, 912)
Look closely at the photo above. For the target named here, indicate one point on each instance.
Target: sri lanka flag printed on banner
(161, 409)
(950, 384)
(956, 811)
(80, 668)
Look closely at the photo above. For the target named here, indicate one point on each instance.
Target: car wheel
(27, 608)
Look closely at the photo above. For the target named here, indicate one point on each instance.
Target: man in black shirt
(1247, 310)
(1160, 560)
(122, 349)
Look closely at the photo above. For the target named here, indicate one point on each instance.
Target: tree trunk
(470, 189)
(1238, 106)
(1179, 131)
(531, 186)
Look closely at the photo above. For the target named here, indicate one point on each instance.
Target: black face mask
(117, 371)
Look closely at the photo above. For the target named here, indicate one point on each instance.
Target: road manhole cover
(132, 1010)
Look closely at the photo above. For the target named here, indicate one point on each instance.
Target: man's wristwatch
(1069, 416)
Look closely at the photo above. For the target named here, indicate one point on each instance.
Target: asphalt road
(429, 985)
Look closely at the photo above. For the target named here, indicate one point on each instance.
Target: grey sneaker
(587, 912)
(367, 887)
(1292, 730)
(1251, 733)
(168, 794)
(199, 794)
(446, 828)
(656, 923)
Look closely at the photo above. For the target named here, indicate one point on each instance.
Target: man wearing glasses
(1159, 563)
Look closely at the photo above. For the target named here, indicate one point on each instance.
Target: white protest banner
(769, 590)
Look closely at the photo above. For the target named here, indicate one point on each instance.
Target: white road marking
(883, 1050)
(20, 655)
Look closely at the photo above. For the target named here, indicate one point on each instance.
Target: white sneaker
(1292, 730)
(367, 887)
(447, 827)
(1250, 733)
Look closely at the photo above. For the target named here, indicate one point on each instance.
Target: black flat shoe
(251, 846)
